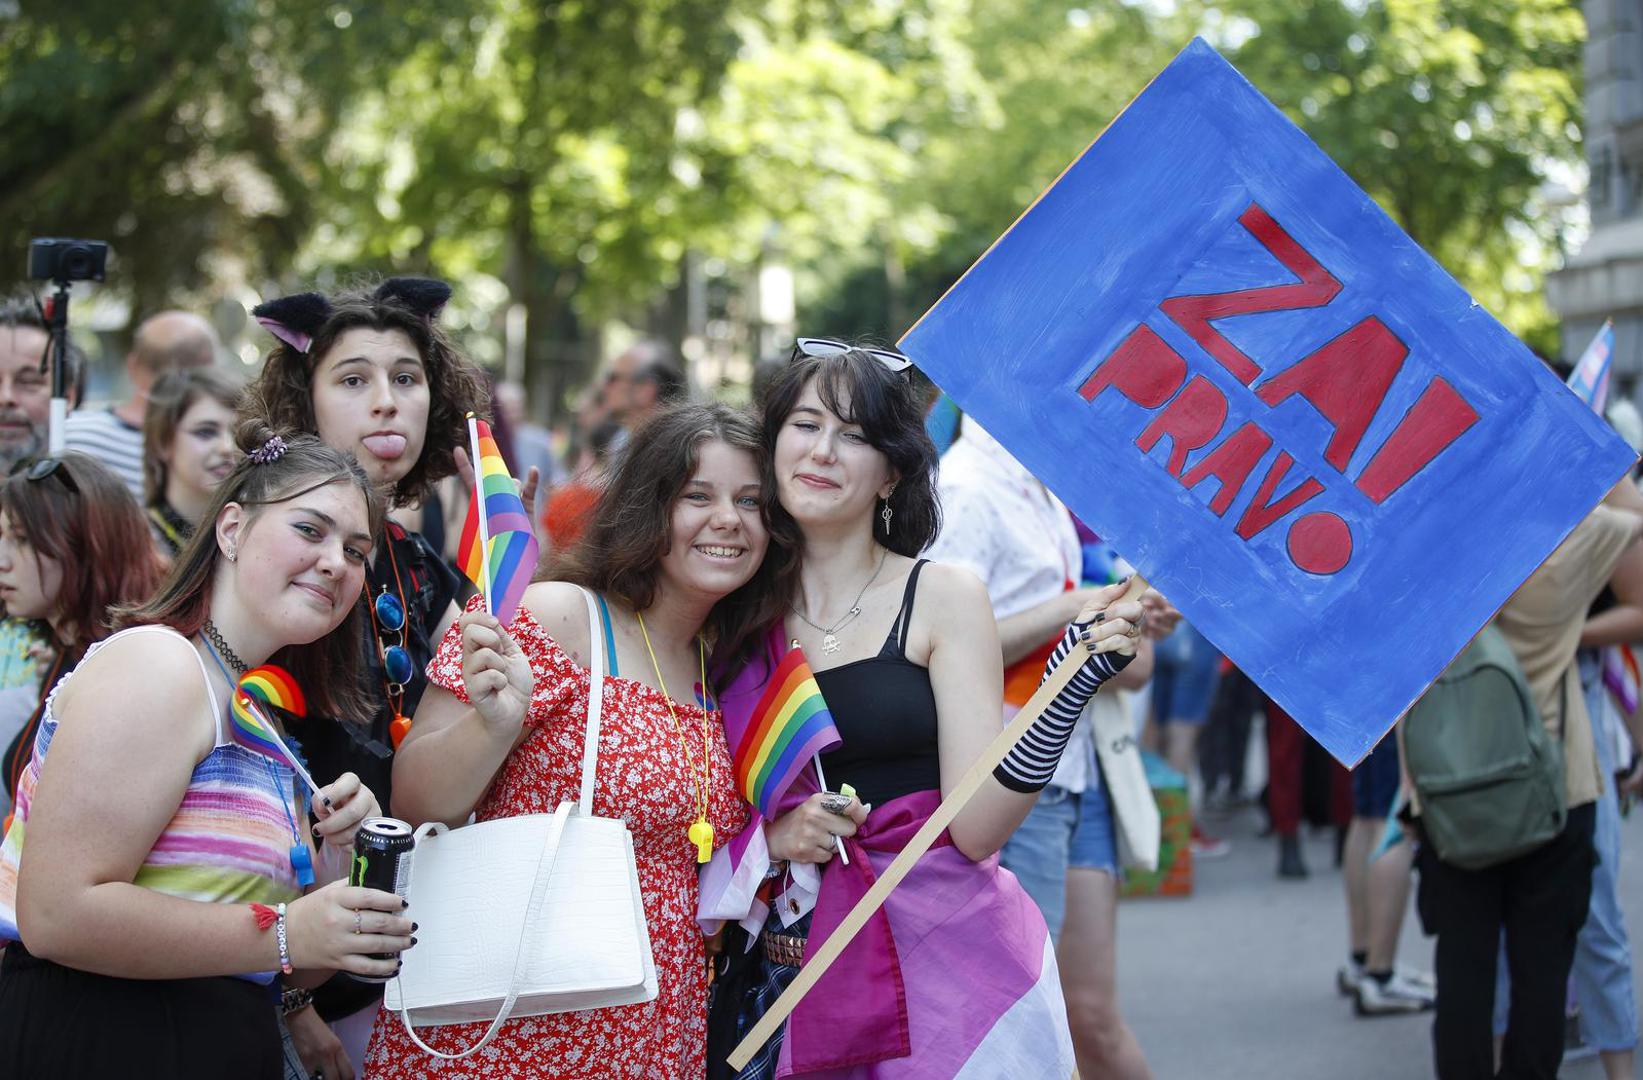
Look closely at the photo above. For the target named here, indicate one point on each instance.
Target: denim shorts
(1064, 829)
(1185, 670)
(1375, 781)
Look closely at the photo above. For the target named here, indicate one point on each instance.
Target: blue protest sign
(1222, 355)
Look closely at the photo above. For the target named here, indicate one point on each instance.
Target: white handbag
(526, 915)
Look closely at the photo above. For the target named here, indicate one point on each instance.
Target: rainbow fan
(269, 684)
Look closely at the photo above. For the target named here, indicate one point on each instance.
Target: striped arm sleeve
(1031, 763)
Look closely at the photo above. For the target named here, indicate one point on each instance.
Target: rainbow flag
(269, 684)
(498, 548)
(771, 743)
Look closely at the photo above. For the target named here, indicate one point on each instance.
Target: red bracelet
(265, 915)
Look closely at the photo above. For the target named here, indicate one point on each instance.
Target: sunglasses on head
(820, 346)
(390, 619)
(37, 469)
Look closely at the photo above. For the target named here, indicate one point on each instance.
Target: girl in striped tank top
(146, 844)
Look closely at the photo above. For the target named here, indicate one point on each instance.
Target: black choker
(222, 648)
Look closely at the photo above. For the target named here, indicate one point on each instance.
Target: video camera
(63, 260)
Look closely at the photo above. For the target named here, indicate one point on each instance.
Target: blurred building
(1604, 279)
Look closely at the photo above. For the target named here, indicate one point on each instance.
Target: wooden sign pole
(817, 965)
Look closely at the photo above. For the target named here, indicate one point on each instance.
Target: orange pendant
(397, 729)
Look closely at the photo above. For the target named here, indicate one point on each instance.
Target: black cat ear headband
(296, 319)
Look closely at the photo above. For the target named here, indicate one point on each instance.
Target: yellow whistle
(701, 834)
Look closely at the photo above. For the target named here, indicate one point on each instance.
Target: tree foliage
(572, 156)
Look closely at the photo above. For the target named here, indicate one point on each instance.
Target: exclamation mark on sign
(1437, 419)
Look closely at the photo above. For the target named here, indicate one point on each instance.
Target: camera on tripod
(63, 260)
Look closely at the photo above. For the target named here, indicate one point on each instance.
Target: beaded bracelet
(274, 916)
(279, 935)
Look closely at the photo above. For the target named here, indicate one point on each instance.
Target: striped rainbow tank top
(229, 841)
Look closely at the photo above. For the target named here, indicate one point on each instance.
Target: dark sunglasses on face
(817, 346)
(396, 661)
(38, 469)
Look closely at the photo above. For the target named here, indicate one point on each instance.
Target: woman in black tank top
(906, 654)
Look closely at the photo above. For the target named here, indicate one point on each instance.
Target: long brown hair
(328, 669)
(84, 517)
(173, 395)
(630, 527)
(284, 392)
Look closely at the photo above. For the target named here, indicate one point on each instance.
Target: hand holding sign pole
(981, 771)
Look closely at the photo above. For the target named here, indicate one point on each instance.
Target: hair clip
(272, 450)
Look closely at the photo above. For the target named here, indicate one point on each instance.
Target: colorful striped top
(229, 841)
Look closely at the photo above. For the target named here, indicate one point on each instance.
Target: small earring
(230, 554)
(885, 516)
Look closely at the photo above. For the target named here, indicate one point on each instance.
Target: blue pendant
(302, 861)
(396, 664)
(390, 612)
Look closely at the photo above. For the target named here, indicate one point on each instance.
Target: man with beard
(25, 385)
(25, 410)
(169, 341)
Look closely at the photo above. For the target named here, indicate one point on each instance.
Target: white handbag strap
(533, 911)
(596, 701)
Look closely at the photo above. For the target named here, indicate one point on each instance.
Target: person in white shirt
(1001, 523)
(169, 341)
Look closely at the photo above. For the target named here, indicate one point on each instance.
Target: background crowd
(87, 532)
(633, 203)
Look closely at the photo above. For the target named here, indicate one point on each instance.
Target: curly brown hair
(630, 528)
(283, 394)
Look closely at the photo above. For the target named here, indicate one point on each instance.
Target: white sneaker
(1425, 980)
(1397, 995)
(1348, 977)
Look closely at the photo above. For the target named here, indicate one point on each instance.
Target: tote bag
(1134, 809)
(527, 915)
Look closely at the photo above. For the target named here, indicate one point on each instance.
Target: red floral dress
(644, 776)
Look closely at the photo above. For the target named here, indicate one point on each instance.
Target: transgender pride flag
(1590, 378)
(498, 547)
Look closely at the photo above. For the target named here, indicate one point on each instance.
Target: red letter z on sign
(1317, 287)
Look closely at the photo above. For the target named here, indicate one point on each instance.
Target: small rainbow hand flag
(498, 548)
(269, 684)
(787, 727)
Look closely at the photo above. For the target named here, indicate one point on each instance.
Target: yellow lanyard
(701, 830)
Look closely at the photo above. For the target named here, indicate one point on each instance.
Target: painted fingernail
(413, 941)
(326, 799)
(413, 928)
(403, 904)
(317, 832)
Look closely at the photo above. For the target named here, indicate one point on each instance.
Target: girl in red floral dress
(672, 554)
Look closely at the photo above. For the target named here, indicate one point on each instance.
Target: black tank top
(886, 714)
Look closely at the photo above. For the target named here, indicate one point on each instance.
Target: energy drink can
(382, 860)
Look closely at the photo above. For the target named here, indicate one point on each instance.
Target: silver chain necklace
(830, 634)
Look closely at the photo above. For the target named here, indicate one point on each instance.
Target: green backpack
(1489, 777)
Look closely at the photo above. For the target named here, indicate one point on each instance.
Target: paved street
(1238, 981)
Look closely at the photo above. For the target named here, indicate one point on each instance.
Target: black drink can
(382, 860)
